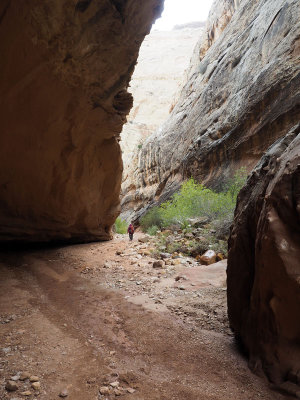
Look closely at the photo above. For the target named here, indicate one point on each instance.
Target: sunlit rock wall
(64, 72)
(158, 77)
(242, 94)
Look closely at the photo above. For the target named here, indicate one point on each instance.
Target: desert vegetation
(196, 218)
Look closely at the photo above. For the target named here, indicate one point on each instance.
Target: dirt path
(83, 317)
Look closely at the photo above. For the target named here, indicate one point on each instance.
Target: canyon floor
(97, 321)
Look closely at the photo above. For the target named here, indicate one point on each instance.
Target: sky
(182, 11)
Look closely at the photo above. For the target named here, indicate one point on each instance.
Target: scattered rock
(198, 222)
(6, 350)
(36, 385)
(11, 386)
(64, 393)
(158, 264)
(34, 378)
(179, 277)
(189, 235)
(130, 390)
(24, 376)
(208, 258)
(15, 378)
(104, 390)
(165, 255)
(114, 384)
(26, 393)
(144, 239)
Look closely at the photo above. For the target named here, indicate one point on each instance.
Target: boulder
(209, 257)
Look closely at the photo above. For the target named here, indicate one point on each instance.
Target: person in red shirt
(130, 231)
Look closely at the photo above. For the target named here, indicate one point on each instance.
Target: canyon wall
(242, 94)
(64, 72)
(263, 273)
(158, 77)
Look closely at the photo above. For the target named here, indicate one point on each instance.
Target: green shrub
(153, 217)
(195, 200)
(120, 226)
(152, 230)
(235, 184)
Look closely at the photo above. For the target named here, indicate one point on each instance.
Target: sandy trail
(82, 317)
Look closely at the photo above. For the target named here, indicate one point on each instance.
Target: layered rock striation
(242, 94)
(64, 73)
(263, 274)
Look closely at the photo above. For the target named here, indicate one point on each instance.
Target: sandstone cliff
(264, 264)
(158, 77)
(242, 94)
(64, 72)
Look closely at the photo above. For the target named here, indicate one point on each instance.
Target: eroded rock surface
(64, 73)
(242, 95)
(264, 263)
(156, 83)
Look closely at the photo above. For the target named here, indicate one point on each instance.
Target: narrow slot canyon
(109, 117)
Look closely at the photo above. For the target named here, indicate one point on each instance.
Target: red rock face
(264, 262)
(64, 73)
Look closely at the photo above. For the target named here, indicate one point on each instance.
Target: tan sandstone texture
(263, 274)
(64, 72)
(242, 94)
(156, 83)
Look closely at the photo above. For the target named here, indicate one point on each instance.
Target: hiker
(130, 230)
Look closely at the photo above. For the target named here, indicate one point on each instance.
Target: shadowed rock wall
(242, 95)
(64, 72)
(264, 263)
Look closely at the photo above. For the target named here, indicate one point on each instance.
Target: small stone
(11, 386)
(130, 390)
(34, 378)
(181, 287)
(26, 393)
(6, 350)
(114, 384)
(24, 376)
(158, 264)
(104, 390)
(112, 353)
(15, 378)
(64, 393)
(36, 385)
(118, 392)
